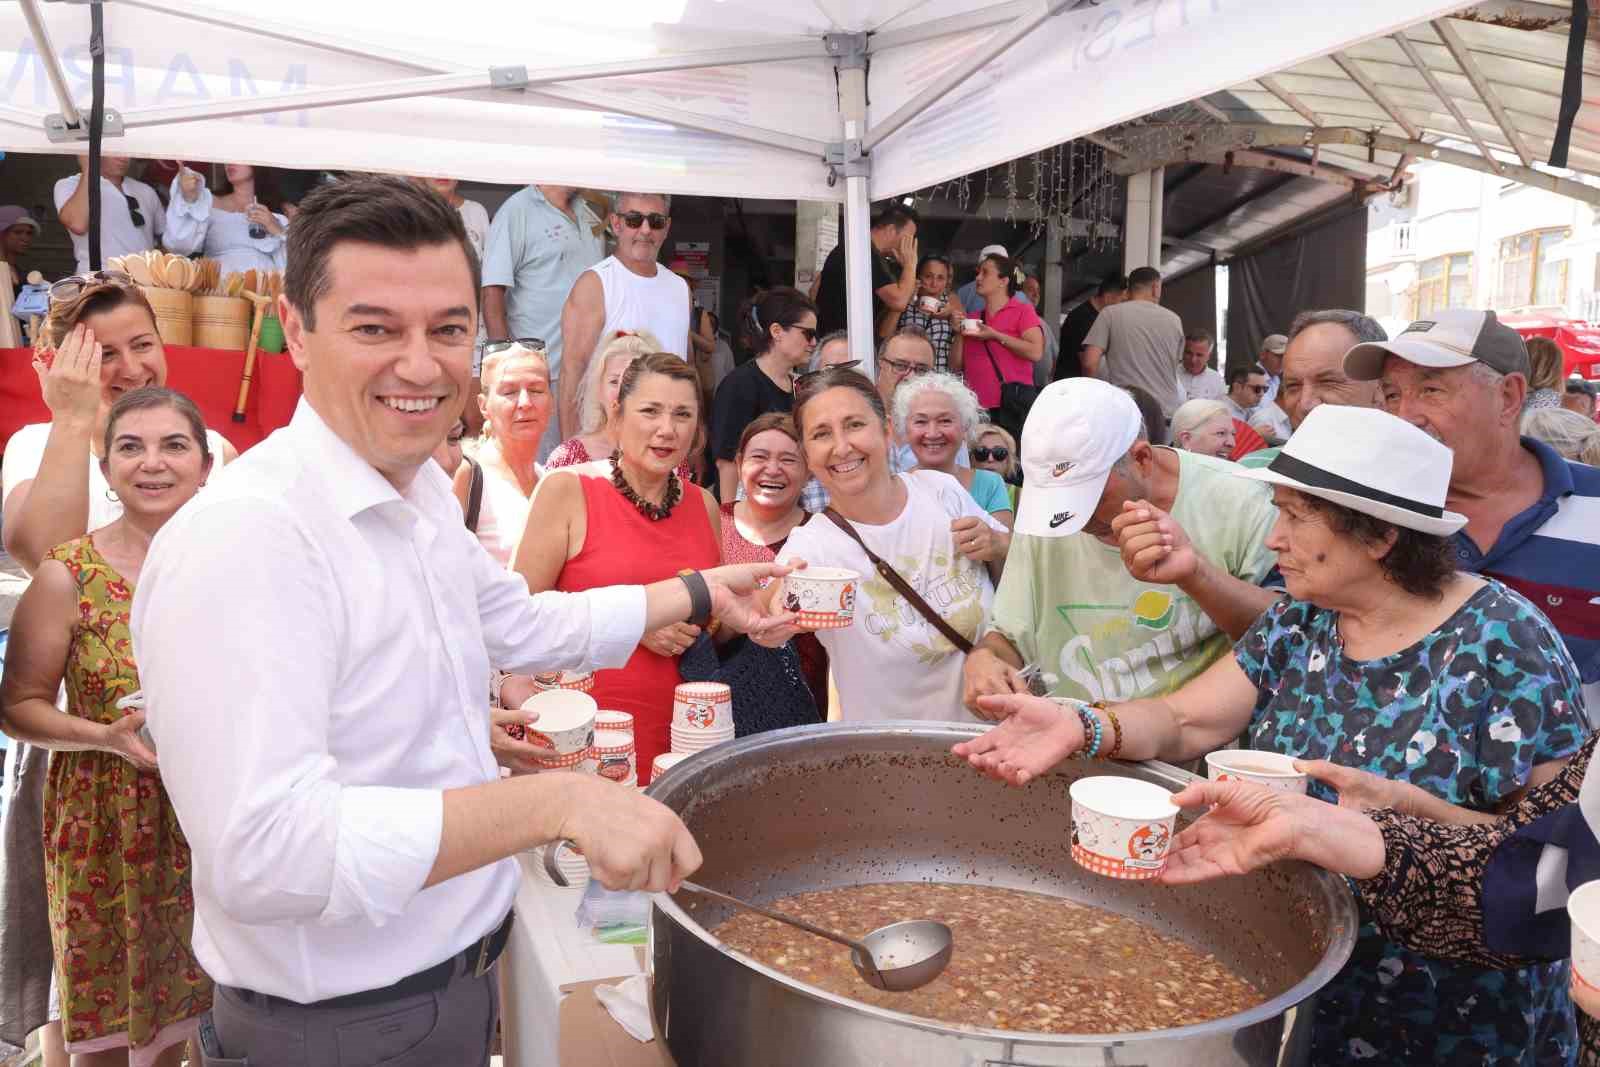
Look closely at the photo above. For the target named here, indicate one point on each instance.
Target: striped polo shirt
(1550, 553)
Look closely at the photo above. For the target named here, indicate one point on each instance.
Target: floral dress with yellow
(117, 869)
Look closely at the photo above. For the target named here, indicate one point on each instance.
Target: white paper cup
(970, 325)
(1271, 769)
(566, 720)
(619, 721)
(1121, 827)
(665, 762)
(929, 303)
(699, 707)
(582, 681)
(1583, 908)
(823, 597)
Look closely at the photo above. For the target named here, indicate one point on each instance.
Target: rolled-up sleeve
(596, 629)
(239, 703)
(185, 231)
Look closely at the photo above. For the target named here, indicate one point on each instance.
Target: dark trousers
(452, 1027)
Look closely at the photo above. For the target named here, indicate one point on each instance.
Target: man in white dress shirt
(315, 638)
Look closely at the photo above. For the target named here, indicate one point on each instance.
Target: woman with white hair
(1203, 426)
(516, 404)
(1568, 432)
(935, 414)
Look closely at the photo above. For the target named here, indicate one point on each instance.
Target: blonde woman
(1203, 426)
(597, 397)
(516, 404)
(1546, 368)
(994, 449)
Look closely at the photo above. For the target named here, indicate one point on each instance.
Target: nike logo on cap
(1060, 518)
(1060, 468)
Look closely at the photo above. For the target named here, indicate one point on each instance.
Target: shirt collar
(354, 484)
(1557, 472)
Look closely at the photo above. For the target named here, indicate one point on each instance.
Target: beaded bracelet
(1093, 732)
(1116, 728)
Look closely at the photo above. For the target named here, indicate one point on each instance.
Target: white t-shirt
(118, 235)
(659, 304)
(475, 217)
(1207, 385)
(25, 451)
(890, 662)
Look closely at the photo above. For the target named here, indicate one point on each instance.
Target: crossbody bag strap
(999, 375)
(901, 586)
(474, 494)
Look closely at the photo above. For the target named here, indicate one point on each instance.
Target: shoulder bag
(474, 493)
(902, 586)
(1016, 398)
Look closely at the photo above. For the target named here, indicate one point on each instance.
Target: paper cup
(970, 325)
(615, 752)
(702, 707)
(1121, 827)
(619, 721)
(929, 303)
(1583, 908)
(665, 762)
(572, 761)
(1271, 769)
(566, 721)
(823, 597)
(582, 681)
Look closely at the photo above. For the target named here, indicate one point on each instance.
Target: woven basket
(174, 310)
(222, 322)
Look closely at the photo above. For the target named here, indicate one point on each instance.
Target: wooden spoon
(138, 268)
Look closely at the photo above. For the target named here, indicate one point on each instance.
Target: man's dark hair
(1419, 563)
(894, 214)
(1579, 387)
(1110, 284)
(1155, 423)
(1143, 278)
(390, 212)
(1240, 372)
(1199, 333)
(1363, 328)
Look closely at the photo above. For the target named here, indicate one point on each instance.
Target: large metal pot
(825, 806)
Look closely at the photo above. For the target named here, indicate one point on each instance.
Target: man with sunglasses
(131, 215)
(628, 290)
(1247, 401)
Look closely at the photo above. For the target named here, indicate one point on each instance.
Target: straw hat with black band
(1368, 461)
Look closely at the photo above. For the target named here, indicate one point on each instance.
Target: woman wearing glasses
(783, 334)
(996, 451)
(98, 343)
(235, 225)
(516, 405)
(935, 414)
(892, 661)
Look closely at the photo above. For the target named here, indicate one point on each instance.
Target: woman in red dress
(636, 523)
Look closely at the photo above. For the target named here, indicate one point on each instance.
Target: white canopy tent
(835, 100)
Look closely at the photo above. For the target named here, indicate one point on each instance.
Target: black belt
(475, 959)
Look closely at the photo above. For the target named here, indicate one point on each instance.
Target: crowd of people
(1377, 555)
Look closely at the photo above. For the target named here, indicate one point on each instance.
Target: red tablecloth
(210, 376)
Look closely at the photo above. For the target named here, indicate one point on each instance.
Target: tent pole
(52, 63)
(999, 43)
(857, 226)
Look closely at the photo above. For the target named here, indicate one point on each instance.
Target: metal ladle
(898, 958)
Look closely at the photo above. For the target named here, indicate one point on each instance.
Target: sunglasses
(133, 210)
(72, 288)
(997, 454)
(901, 367)
(634, 219)
(1257, 389)
(491, 347)
(809, 333)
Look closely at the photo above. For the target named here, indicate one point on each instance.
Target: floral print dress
(1465, 713)
(116, 862)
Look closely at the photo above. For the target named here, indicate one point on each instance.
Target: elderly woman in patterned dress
(1454, 691)
(117, 871)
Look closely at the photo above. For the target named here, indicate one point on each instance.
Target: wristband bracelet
(699, 597)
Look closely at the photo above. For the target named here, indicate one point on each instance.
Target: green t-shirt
(1261, 457)
(1069, 605)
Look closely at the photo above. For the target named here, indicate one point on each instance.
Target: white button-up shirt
(314, 649)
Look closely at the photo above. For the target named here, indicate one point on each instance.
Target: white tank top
(503, 514)
(659, 304)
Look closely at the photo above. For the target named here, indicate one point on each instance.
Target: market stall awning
(1579, 341)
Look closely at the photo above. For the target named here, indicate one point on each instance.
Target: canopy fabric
(1579, 341)
(730, 97)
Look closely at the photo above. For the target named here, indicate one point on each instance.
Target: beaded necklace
(653, 512)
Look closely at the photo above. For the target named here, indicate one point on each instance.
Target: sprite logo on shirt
(1153, 610)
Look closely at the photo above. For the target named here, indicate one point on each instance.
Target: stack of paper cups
(619, 721)
(702, 716)
(665, 762)
(616, 755)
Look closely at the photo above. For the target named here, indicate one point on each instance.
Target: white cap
(1078, 429)
(994, 250)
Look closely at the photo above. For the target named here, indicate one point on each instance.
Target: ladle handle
(858, 947)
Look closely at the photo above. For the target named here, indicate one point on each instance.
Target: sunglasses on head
(133, 210)
(634, 219)
(71, 288)
(997, 454)
(491, 347)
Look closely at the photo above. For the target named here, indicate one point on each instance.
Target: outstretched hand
(737, 599)
(1034, 736)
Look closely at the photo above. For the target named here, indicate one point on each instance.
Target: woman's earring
(111, 495)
